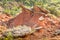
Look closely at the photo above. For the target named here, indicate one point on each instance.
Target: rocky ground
(34, 18)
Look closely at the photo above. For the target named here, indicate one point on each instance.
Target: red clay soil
(5, 17)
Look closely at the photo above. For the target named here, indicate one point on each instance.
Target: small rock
(41, 18)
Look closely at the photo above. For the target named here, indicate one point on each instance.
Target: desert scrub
(9, 37)
(20, 31)
(16, 33)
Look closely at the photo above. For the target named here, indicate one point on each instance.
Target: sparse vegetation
(12, 6)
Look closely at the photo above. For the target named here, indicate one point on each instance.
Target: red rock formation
(22, 18)
(26, 16)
